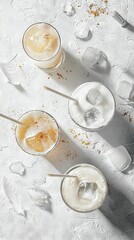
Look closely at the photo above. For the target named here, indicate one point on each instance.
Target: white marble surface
(57, 221)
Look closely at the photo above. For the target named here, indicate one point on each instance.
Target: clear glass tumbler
(85, 192)
(40, 133)
(94, 108)
(42, 43)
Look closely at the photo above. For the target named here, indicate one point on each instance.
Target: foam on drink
(40, 135)
(42, 43)
(95, 108)
(86, 192)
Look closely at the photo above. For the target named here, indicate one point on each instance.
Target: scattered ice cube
(93, 58)
(12, 71)
(128, 65)
(13, 197)
(92, 115)
(17, 168)
(94, 96)
(68, 8)
(120, 158)
(39, 196)
(82, 30)
(87, 190)
(124, 90)
(90, 57)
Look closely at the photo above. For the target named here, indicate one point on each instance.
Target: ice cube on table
(92, 115)
(90, 57)
(17, 168)
(120, 158)
(93, 58)
(87, 190)
(39, 196)
(12, 71)
(68, 8)
(128, 65)
(124, 89)
(13, 196)
(94, 96)
(82, 30)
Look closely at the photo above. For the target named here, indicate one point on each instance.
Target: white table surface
(58, 221)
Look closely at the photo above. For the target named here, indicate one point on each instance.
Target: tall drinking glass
(42, 43)
(39, 135)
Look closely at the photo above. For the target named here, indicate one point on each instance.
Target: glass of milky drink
(42, 43)
(85, 192)
(39, 135)
(94, 108)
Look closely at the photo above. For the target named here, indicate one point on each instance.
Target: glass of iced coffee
(39, 135)
(85, 192)
(42, 43)
(94, 108)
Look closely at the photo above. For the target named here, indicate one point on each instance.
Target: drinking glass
(40, 134)
(42, 43)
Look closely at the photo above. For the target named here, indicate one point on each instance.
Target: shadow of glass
(118, 131)
(47, 206)
(130, 74)
(72, 154)
(20, 88)
(130, 27)
(118, 209)
(72, 73)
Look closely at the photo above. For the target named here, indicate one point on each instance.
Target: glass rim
(58, 137)
(97, 128)
(41, 60)
(77, 166)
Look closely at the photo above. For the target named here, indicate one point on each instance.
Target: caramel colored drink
(42, 43)
(40, 135)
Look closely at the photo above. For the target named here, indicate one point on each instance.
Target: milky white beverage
(95, 107)
(87, 191)
(40, 135)
(42, 43)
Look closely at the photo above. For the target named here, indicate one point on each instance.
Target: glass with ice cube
(42, 43)
(87, 191)
(93, 58)
(95, 107)
(39, 135)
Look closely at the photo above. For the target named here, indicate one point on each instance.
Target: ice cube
(82, 30)
(87, 190)
(94, 96)
(92, 115)
(12, 71)
(17, 168)
(124, 89)
(68, 8)
(39, 196)
(13, 196)
(93, 58)
(36, 142)
(128, 65)
(90, 57)
(120, 158)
